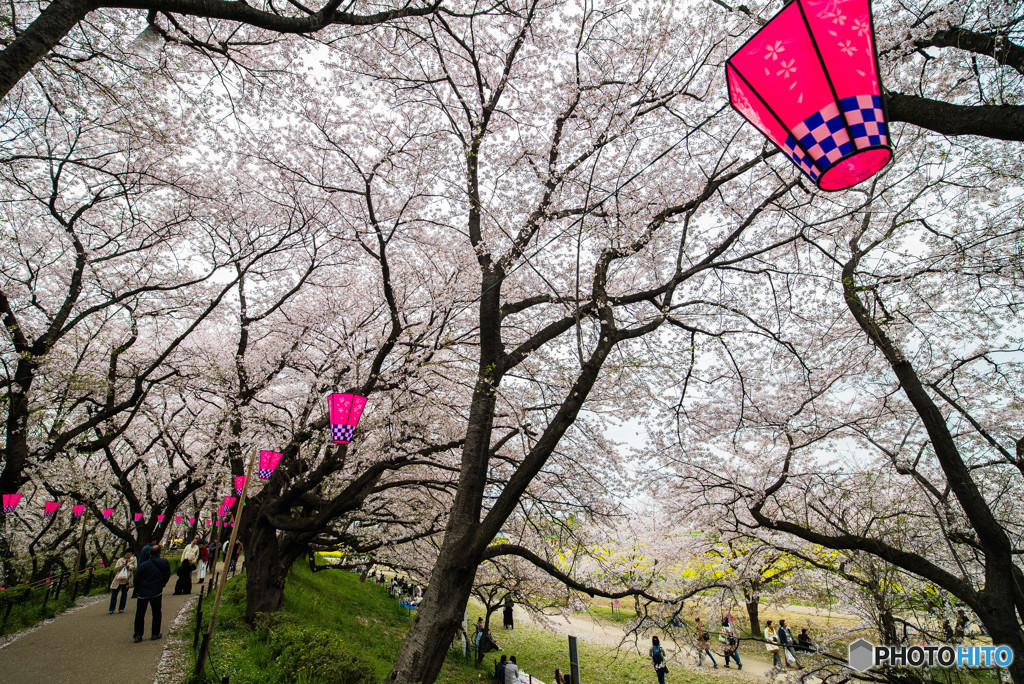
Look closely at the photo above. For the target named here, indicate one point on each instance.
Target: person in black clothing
(804, 642)
(499, 670)
(507, 615)
(150, 579)
(487, 643)
(184, 583)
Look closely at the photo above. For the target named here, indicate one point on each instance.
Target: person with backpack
(730, 644)
(658, 659)
(150, 579)
(703, 642)
(124, 570)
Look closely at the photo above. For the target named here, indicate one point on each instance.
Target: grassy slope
(373, 625)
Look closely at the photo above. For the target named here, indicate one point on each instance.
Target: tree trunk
(438, 619)
(753, 616)
(265, 571)
(1004, 629)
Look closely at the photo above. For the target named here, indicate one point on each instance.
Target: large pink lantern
(229, 501)
(50, 508)
(268, 462)
(239, 484)
(11, 502)
(77, 511)
(138, 517)
(159, 519)
(808, 80)
(345, 410)
(107, 512)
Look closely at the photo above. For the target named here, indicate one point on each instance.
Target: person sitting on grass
(499, 670)
(803, 642)
(486, 645)
(512, 672)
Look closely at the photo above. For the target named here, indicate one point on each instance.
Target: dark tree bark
(47, 30)
(1002, 122)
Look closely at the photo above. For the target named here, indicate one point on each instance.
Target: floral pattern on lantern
(268, 463)
(11, 502)
(808, 80)
(345, 410)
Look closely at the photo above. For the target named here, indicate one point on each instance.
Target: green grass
(333, 610)
(26, 605)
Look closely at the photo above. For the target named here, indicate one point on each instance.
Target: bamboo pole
(204, 648)
(81, 550)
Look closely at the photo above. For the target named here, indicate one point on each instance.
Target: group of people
(779, 642)
(409, 592)
(149, 575)
(783, 647)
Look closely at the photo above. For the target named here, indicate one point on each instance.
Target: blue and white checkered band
(9, 509)
(265, 473)
(824, 136)
(342, 433)
(48, 514)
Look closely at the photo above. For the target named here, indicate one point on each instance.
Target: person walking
(204, 561)
(703, 643)
(771, 642)
(658, 659)
(150, 579)
(184, 583)
(730, 644)
(786, 645)
(124, 571)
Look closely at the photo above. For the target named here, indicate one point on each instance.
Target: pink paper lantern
(345, 410)
(191, 521)
(177, 518)
(229, 501)
(138, 517)
(239, 484)
(209, 522)
(50, 508)
(77, 511)
(107, 512)
(268, 463)
(159, 519)
(808, 80)
(11, 502)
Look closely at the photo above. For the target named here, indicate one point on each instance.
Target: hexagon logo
(862, 655)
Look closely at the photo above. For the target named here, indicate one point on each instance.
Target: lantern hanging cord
(598, 204)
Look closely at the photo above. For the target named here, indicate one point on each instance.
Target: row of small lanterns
(345, 411)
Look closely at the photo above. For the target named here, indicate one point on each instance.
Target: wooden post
(204, 648)
(81, 550)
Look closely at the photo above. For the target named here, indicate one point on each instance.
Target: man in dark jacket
(150, 579)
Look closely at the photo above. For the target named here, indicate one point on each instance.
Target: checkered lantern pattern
(342, 433)
(824, 134)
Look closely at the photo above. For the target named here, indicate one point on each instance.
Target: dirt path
(610, 634)
(85, 644)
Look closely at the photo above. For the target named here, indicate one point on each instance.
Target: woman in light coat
(124, 572)
(771, 642)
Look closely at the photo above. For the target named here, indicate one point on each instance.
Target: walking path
(85, 644)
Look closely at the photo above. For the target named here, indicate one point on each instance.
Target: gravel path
(85, 644)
